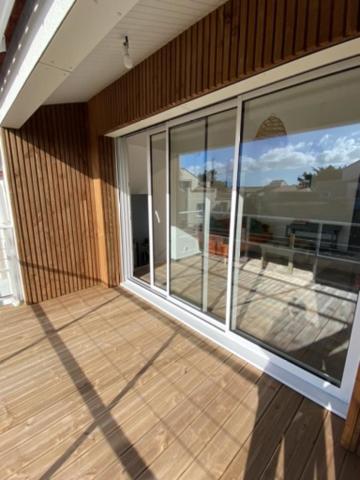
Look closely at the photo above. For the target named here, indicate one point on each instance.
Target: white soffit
(55, 42)
(150, 24)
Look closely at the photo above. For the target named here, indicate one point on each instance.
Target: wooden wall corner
(102, 160)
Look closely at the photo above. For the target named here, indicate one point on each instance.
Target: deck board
(97, 384)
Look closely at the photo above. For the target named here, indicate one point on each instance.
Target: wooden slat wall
(239, 39)
(51, 190)
(109, 191)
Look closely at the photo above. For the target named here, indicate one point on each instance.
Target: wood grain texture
(52, 195)
(145, 397)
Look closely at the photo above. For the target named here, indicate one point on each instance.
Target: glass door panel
(297, 252)
(158, 185)
(187, 205)
(138, 189)
(201, 166)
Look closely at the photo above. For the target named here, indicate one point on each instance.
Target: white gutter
(4, 19)
(45, 20)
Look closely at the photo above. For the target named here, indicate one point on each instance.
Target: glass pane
(201, 155)
(158, 179)
(187, 204)
(296, 263)
(221, 130)
(138, 187)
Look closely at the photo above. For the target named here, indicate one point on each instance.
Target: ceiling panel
(150, 24)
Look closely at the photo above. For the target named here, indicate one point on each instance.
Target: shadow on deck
(98, 384)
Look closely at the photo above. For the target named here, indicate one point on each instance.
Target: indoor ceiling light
(128, 63)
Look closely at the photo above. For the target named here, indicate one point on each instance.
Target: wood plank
(295, 448)
(243, 46)
(49, 189)
(219, 56)
(312, 24)
(270, 19)
(351, 468)
(289, 34)
(144, 396)
(187, 65)
(194, 59)
(198, 87)
(251, 36)
(206, 56)
(337, 30)
(261, 16)
(352, 17)
(325, 17)
(227, 20)
(278, 52)
(300, 32)
(234, 39)
(212, 49)
(327, 456)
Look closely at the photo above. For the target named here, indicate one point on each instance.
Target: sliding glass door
(158, 172)
(138, 186)
(201, 172)
(247, 216)
(297, 254)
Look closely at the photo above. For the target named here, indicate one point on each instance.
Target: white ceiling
(150, 24)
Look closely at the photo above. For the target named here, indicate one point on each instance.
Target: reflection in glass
(158, 182)
(296, 262)
(201, 164)
(138, 187)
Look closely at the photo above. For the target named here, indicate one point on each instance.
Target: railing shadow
(100, 412)
(60, 329)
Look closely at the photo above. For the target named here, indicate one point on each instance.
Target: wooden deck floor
(99, 385)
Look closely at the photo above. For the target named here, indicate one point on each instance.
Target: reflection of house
(193, 195)
(316, 219)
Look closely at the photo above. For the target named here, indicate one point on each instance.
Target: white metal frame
(321, 391)
(233, 214)
(150, 133)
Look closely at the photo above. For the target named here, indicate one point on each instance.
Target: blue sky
(283, 158)
(220, 159)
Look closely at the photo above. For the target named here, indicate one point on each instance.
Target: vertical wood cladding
(239, 39)
(109, 198)
(51, 191)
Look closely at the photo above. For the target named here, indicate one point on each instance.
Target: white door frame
(318, 389)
